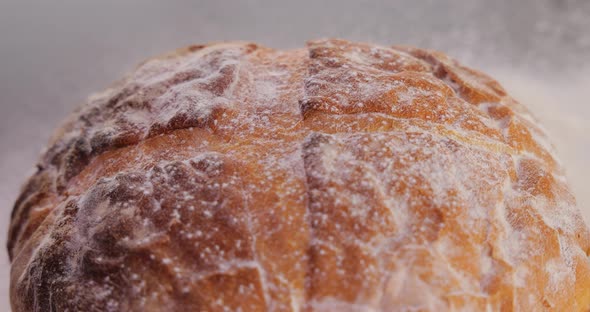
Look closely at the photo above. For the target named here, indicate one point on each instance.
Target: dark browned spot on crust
(132, 114)
(177, 217)
(473, 86)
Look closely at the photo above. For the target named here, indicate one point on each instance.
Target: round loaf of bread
(338, 177)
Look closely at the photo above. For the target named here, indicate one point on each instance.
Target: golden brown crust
(342, 177)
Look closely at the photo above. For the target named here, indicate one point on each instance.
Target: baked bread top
(339, 177)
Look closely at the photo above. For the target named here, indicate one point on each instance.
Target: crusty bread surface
(338, 177)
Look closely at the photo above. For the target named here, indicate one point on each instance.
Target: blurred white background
(53, 54)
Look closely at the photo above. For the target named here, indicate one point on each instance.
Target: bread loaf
(338, 177)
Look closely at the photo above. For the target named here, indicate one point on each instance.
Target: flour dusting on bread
(340, 177)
